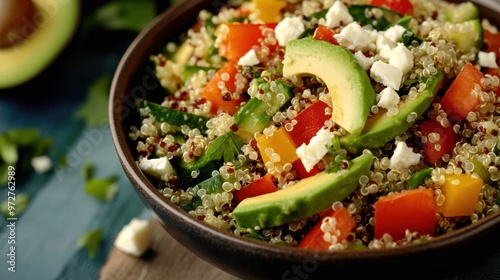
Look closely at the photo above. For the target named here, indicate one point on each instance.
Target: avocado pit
(16, 24)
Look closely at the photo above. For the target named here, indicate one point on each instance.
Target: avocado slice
(52, 26)
(381, 128)
(306, 198)
(349, 85)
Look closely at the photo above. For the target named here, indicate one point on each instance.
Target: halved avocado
(53, 24)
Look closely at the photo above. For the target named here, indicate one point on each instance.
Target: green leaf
(87, 170)
(17, 148)
(125, 15)
(102, 189)
(90, 240)
(227, 147)
(8, 151)
(94, 111)
(19, 205)
(418, 178)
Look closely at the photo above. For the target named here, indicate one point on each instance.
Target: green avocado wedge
(348, 83)
(382, 128)
(54, 23)
(306, 198)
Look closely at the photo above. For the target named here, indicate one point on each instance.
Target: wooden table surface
(166, 259)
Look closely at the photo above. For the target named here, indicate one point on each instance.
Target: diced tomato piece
(308, 122)
(261, 186)
(242, 37)
(301, 170)
(403, 7)
(326, 34)
(459, 99)
(434, 148)
(414, 210)
(314, 238)
(492, 42)
(215, 95)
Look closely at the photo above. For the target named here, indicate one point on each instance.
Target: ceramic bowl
(442, 257)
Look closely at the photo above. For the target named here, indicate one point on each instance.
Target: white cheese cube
(134, 238)
(388, 98)
(156, 167)
(386, 74)
(41, 164)
(402, 58)
(395, 33)
(365, 62)
(337, 15)
(385, 53)
(487, 59)
(313, 152)
(289, 29)
(355, 37)
(382, 42)
(403, 157)
(249, 59)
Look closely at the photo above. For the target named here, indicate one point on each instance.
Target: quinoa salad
(329, 125)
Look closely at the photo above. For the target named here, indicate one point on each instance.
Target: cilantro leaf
(90, 240)
(126, 15)
(102, 189)
(18, 147)
(340, 161)
(226, 147)
(94, 111)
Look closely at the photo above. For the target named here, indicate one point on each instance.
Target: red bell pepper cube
(314, 238)
(414, 210)
(459, 99)
(261, 186)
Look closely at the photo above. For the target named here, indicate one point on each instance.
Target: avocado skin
(381, 128)
(306, 198)
(36, 52)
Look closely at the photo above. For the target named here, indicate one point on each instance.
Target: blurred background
(68, 194)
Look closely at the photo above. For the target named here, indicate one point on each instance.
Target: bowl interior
(135, 79)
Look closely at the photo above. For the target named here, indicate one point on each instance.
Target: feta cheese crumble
(337, 15)
(156, 167)
(355, 37)
(386, 74)
(289, 29)
(41, 164)
(387, 98)
(403, 157)
(134, 239)
(402, 58)
(395, 33)
(313, 152)
(487, 59)
(249, 59)
(365, 62)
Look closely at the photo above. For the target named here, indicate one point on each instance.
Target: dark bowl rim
(142, 184)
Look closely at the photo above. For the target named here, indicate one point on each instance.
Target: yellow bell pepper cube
(269, 10)
(461, 192)
(277, 148)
